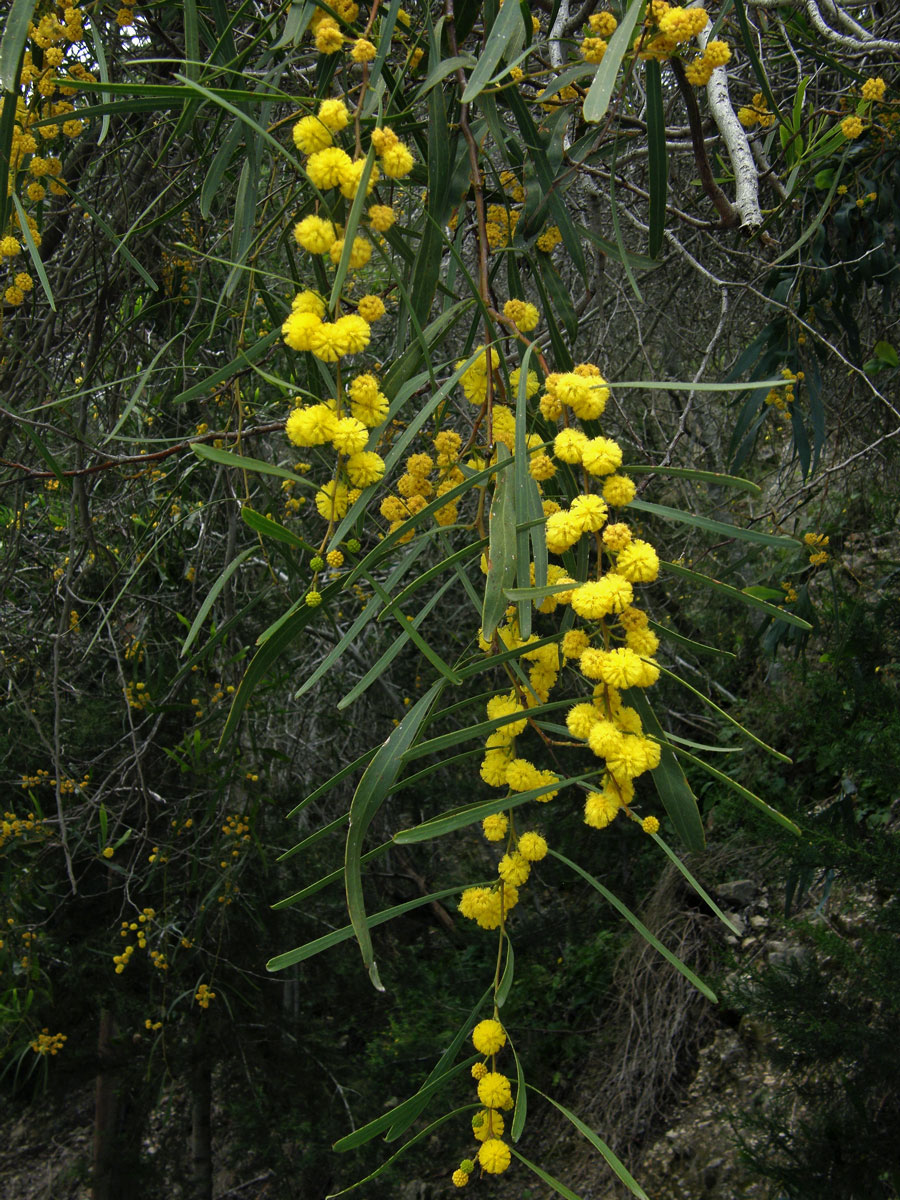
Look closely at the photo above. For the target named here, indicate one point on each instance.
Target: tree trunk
(106, 1105)
(201, 1126)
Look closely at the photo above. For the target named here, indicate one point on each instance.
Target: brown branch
(726, 209)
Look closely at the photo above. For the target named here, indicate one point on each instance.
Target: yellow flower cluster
(852, 127)
(756, 113)
(29, 827)
(673, 27)
(204, 995)
(43, 116)
(426, 477)
(780, 398)
(495, 1095)
(48, 1043)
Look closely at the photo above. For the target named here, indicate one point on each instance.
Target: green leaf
(521, 1110)
(203, 611)
(641, 928)
(559, 1188)
(120, 247)
(25, 233)
(596, 102)
(408, 632)
(509, 970)
(15, 35)
(227, 458)
(359, 1137)
(368, 614)
(657, 156)
(727, 717)
(271, 529)
(704, 895)
(503, 35)
(886, 353)
(440, 1069)
(779, 614)
(501, 547)
(749, 44)
(469, 814)
(621, 1171)
(699, 647)
(772, 813)
(420, 1136)
(669, 780)
(310, 949)
(720, 527)
(678, 385)
(825, 208)
(371, 792)
(730, 481)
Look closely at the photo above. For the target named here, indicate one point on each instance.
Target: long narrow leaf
(310, 949)
(735, 594)
(669, 780)
(657, 156)
(621, 1171)
(370, 794)
(641, 928)
(772, 813)
(203, 610)
(596, 102)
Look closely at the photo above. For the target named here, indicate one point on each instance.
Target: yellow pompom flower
(371, 308)
(329, 168)
(334, 115)
(23, 281)
(601, 809)
(363, 51)
(495, 826)
(360, 252)
(299, 330)
(514, 868)
(873, 89)
(604, 24)
(593, 49)
(479, 1070)
(365, 468)
(397, 162)
(532, 846)
(851, 127)
(618, 490)
(524, 316)
(310, 135)
(333, 500)
(494, 1156)
(381, 217)
(650, 825)
(638, 562)
(329, 38)
(494, 1090)
(315, 234)
(350, 436)
(459, 1178)
(488, 1037)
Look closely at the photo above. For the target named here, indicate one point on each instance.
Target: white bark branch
(746, 177)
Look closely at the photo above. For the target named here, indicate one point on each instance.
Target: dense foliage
(373, 382)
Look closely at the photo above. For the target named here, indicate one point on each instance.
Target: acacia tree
(363, 346)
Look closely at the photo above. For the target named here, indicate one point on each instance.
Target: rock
(739, 891)
(758, 922)
(782, 954)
